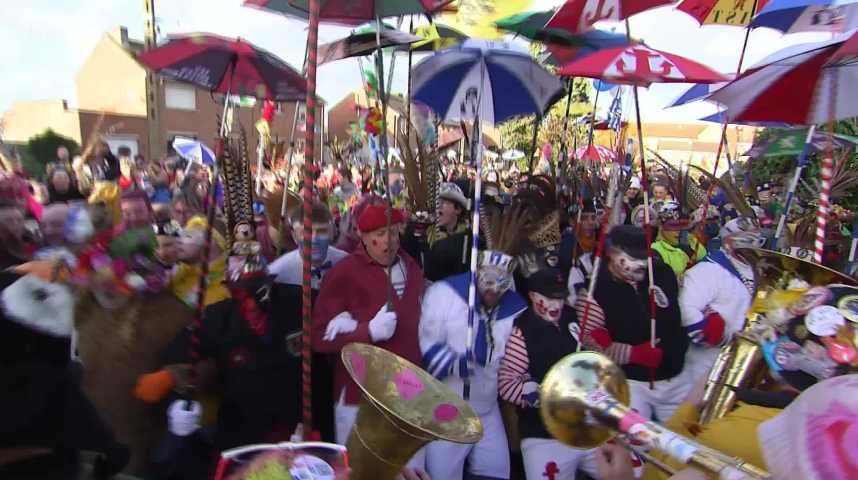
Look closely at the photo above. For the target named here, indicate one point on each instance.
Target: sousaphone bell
(402, 408)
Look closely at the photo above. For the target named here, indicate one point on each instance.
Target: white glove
(530, 394)
(182, 422)
(382, 326)
(342, 323)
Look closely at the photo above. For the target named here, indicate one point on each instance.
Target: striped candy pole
(822, 215)
(306, 253)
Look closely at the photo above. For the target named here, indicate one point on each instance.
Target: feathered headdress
(421, 174)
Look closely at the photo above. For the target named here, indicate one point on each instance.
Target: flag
(476, 18)
(791, 143)
(615, 113)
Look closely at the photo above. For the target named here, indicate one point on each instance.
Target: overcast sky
(46, 41)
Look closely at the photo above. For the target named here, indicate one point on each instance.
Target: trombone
(584, 402)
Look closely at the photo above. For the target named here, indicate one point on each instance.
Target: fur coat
(116, 347)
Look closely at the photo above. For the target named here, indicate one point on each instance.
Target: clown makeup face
(319, 244)
(382, 244)
(624, 267)
(136, 213)
(548, 309)
(492, 283)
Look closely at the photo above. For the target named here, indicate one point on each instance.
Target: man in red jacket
(371, 296)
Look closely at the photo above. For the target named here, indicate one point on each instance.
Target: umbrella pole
(564, 147)
(537, 119)
(647, 220)
(383, 161)
(408, 90)
(307, 250)
(826, 174)
(593, 121)
(475, 233)
(793, 186)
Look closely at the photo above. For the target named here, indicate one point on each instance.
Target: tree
(42, 149)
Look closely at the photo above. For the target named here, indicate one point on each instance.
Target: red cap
(375, 216)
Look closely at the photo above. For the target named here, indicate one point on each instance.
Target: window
(180, 97)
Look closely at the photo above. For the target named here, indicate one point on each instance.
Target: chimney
(120, 35)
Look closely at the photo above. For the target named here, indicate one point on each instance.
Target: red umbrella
(720, 12)
(595, 153)
(226, 65)
(348, 10)
(578, 16)
(640, 65)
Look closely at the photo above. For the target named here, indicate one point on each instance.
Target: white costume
(579, 277)
(289, 267)
(443, 334)
(710, 287)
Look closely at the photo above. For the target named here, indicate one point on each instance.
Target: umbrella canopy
(532, 25)
(721, 12)
(697, 92)
(791, 142)
(595, 153)
(595, 40)
(283, 7)
(512, 155)
(791, 16)
(226, 65)
(806, 75)
(194, 151)
(720, 119)
(371, 9)
(640, 65)
(577, 16)
(510, 81)
(363, 42)
(436, 37)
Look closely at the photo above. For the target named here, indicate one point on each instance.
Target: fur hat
(630, 239)
(453, 193)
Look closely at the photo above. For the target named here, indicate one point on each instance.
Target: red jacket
(358, 285)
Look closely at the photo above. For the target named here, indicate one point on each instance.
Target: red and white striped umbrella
(800, 85)
(578, 16)
(595, 153)
(640, 65)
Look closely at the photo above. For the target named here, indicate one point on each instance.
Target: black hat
(630, 239)
(549, 282)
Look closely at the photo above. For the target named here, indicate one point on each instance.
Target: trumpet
(584, 401)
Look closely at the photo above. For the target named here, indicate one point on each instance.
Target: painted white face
(625, 267)
(548, 309)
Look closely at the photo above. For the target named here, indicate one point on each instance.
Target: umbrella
(436, 37)
(532, 25)
(364, 42)
(193, 151)
(509, 82)
(791, 16)
(804, 74)
(697, 92)
(640, 65)
(512, 155)
(371, 9)
(791, 142)
(595, 153)
(579, 15)
(720, 12)
(719, 118)
(283, 7)
(225, 65)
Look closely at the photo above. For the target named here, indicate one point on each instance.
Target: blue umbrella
(508, 82)
(719, 118)
(697, 91)
(194, 151)
(791, 16)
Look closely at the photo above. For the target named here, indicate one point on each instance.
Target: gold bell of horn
(780, 279)
(402, 408)
(583, 402)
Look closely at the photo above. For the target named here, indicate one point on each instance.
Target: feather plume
(734, 195)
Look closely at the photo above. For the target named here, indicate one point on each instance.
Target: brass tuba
(583, 402)
(781, 279)
(402, 408)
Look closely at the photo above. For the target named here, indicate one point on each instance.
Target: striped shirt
(514, 366)
(590, 312)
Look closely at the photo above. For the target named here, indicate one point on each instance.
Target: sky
(47, 41)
